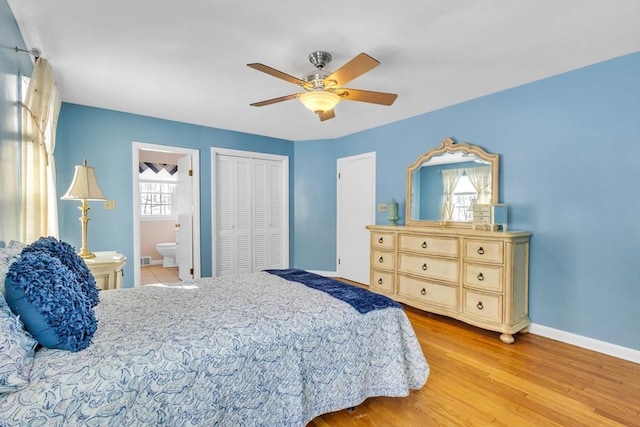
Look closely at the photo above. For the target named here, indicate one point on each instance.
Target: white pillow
(17, 351)
(8, 255)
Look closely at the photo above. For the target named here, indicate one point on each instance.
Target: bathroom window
(156, 198)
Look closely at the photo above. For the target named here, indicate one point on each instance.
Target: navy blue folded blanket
(359, 298)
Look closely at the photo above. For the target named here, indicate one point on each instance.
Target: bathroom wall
(154, 231)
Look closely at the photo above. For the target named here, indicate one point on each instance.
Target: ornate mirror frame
(449, 145)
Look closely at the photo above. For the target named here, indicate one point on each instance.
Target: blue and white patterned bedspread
(250, 350)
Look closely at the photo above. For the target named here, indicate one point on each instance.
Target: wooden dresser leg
(507, 338)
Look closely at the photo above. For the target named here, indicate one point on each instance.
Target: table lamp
(84, 187)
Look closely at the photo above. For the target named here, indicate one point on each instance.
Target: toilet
(168, 252)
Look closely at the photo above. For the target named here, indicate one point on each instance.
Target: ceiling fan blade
(274, 100)
(352, 69)
(381, 98)
(327, 115)
(279, 74)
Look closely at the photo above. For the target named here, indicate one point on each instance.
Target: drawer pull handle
(424, 245)
(479, 305)
(380, 260)
(481, 250)
(423, 291)
(480, 277)
(424, 266)
(380, 281)
(381, 240)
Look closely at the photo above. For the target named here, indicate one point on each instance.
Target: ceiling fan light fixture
(319, 101)
(324, 89)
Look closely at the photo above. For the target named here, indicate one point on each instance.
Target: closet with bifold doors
(251, 211)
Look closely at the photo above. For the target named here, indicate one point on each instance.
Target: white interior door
(184, 207)
(356, 210)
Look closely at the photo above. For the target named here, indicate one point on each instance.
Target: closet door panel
(225, 251)
(243, 216)
(260, 215)
(233, 213)
(275, 238)
(267, 211)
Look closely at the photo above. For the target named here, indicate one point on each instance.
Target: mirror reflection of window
(464, 196)
(461, 188)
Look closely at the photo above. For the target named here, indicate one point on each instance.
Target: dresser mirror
(444, 183)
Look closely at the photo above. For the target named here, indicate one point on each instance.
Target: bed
(257, 349)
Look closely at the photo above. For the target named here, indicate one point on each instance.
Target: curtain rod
(34, 51)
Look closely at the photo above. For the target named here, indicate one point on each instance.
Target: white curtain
(480, 178)
(10, 192)
(39, 200)
(450, 179)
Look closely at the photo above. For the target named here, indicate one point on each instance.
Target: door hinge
(338, 261)
(190, 172)
(338, 175)
(191, 271)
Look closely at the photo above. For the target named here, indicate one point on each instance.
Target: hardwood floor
(477, 380)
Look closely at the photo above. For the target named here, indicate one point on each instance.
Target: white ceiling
(185, 60)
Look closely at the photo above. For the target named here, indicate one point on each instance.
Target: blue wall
(570, 166)
(315, 221)
(104, 138)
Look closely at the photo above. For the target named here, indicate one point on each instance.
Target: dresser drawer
(484, 276)
(382, 280)
(432, 293)
(431, 268)
(382, 259)
(428, 245)
(381, 240)
(484, 250)
(483, 305)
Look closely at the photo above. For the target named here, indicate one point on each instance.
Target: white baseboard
(586, 342)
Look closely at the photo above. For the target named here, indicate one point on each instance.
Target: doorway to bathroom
(166, 213)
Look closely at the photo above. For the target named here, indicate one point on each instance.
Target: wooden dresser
(478, 277)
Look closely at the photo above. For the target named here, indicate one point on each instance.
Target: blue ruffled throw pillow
(67, 254)
(50, 301)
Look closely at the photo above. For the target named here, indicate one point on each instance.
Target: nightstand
(107, 269)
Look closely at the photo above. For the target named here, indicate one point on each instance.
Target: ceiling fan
(324, 89)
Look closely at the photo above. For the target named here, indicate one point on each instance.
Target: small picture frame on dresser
(491, 217)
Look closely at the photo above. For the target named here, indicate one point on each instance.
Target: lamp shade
(84, 185)
(319, 101)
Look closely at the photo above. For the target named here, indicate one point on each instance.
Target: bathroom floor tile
(158, 274)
